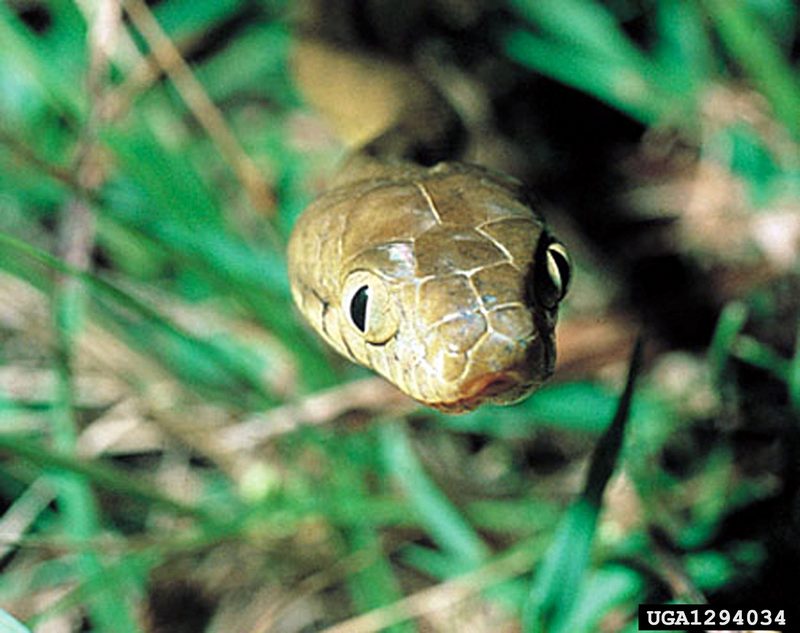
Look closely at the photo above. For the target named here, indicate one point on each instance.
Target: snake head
(443, 280)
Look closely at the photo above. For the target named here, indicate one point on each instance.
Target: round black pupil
(358, 308)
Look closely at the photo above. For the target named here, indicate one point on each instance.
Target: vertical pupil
(358, 308)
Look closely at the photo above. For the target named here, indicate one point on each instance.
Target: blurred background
(179, 453)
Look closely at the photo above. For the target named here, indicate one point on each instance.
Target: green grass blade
(580, 43)
(375, 585)
(258, 57)
(608, 448)
(99, 474)
(108, 608)
(59, 89)
(182, 19)
(558, 582)
(605, 589)
(684, 47)
(625, 88)
(575, 406)
(11, 625)
(125, 574)
(794, 374)
(185, 195)
(730, 323)
(229, 364)
(751, 351)
(440, 518)
(582, 24)
(758, 54)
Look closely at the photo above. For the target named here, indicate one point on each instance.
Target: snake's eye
(553, 274)
(368, 306)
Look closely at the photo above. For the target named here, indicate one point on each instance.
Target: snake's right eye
(554, 273)
(369, 306)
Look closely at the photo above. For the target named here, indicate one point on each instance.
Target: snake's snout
(515, 370)
(498, 387)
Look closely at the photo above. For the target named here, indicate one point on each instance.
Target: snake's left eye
(358, 308)
(553, 274)
(369, 307)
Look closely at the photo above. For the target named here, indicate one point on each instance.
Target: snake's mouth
(502, 387)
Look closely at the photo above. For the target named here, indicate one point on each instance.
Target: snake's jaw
(497, 388)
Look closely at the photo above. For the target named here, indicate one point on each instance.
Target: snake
(438, 274)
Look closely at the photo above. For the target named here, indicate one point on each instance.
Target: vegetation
(180, 453)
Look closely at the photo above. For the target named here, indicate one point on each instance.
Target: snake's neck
(383, 111)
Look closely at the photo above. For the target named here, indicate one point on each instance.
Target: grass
(147, 336)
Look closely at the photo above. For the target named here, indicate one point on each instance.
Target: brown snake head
(441, 279)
